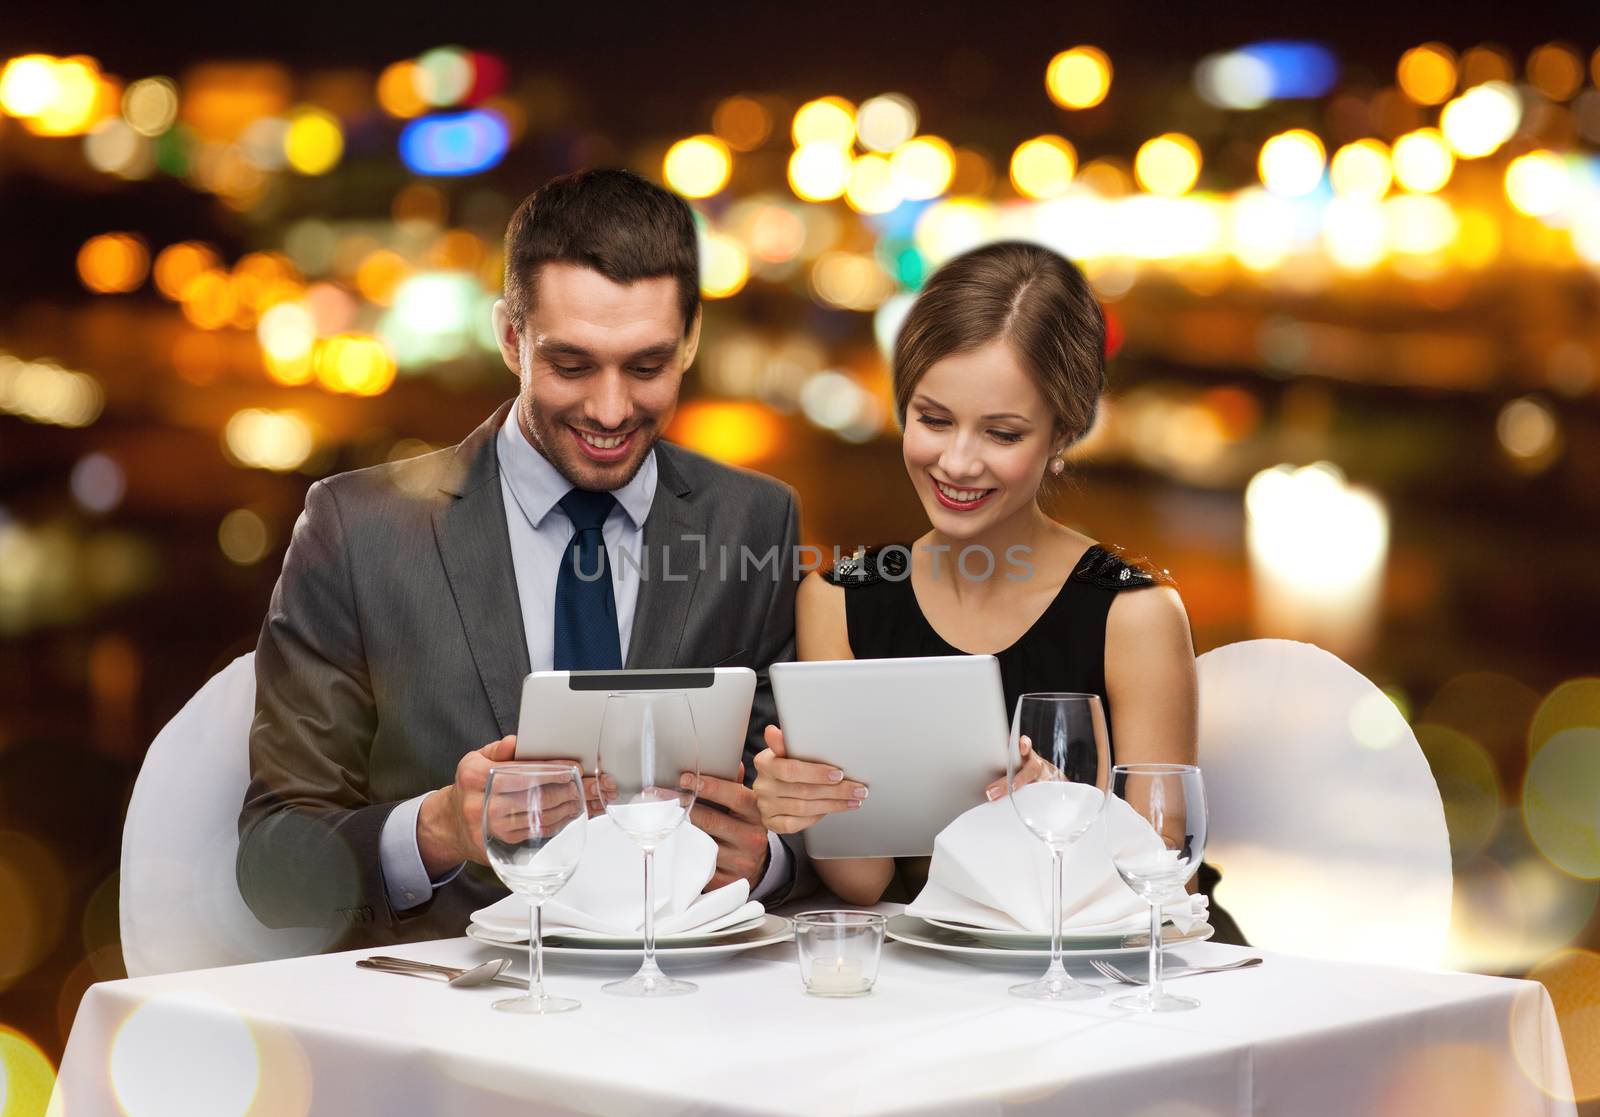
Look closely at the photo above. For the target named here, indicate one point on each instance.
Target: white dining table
(1293, 1036)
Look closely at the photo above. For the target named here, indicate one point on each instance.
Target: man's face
(600, 365)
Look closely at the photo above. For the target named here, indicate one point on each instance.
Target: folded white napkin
(989, 871)
(606, 893)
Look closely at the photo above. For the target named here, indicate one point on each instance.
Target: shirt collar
(538, 485)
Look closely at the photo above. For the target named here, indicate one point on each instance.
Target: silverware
(1106, 969)
(460, 978)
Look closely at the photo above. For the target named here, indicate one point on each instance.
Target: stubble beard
(542, 438)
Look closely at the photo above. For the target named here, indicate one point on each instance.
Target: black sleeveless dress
(1064, 650)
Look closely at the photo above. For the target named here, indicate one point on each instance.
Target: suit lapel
(674, 545)
(470, 529)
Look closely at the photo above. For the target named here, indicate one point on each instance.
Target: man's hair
(1031, 298)
(615, 222)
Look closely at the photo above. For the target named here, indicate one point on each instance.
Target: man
(415, 596)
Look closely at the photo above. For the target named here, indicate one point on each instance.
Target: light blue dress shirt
(540, 532)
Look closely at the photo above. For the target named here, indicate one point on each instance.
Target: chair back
(1326, 821)
(180, 902)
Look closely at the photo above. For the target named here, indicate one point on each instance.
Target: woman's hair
(1034, 300)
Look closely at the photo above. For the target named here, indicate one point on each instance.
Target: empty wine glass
(1067, 732)
(534, 826)
(647, 745)
(1172, 799)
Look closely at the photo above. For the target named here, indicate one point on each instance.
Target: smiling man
(563, 533)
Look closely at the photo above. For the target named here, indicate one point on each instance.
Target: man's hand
(740, 837)
(792, 794)
(450, 823)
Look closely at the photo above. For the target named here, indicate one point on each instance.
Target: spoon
(481, 974)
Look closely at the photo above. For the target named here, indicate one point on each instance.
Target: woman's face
(979, 436)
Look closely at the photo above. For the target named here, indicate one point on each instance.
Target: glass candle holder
(839, 951)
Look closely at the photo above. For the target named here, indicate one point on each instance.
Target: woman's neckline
(1050, 607)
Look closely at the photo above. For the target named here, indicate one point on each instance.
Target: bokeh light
(356, 363)
(1469, 788)
(274, 440)
(44, 392)
(886, 121)
(743, 123)
(1043, 167)
(736, 432)
(398, 90)
(1291, 163)
(98, 483)
(850, 281)
(150, 105)
(1361, 170)
(113, 263)
(1575, 704)
(28, 85)
(1427, 73)
(26, 1075)
(1234, 80)
(462, 143)
(819, 171)
(179, 264)
(1556, 71)
(1527, 429)
(1169, 164)
(724, 266)
(444, 75)
(1572, 978)
(1483, 118)
(923, 167)
(314, 142)
(243, 537)
(1423, 161)
(1538, 183)
(826, 120)
(1078, 78)
(697, 167)
(871, 188)
(1561, 801)
(116, 149)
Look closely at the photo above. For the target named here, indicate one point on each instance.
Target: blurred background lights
(314, 141)
(178, 264)
(724, 266)
(1483, 118)
(697, 167)
(1538, 183)
(1291, 163)
(1561, 801)
(44, 392)
(1361, 170)
(886, 121)
(1423, 161)
(1043, 167)
(98, 484)
(444, 75)
(819, 171)
(951, 227)
(1374, 723)
(55, 96)
(274, 440)
(923, 167)
(741, 122)
(434, 318)
(871, 188)
(116, 149)
(28, 85)
(113, 262)
(1294, 69)
(1078, 78)
(738, 432)
(1427, 73)
(150, 105)
(1527, 429)
(1419, 224)
(355, 363)
(399, 90)
(1485, 63)
(850, 281)
(455, 144)
(1169, 164)
(1556, 71)
(1233, 81)
(837, 403)
(243, 537)
(826, 120)
(26, 1076)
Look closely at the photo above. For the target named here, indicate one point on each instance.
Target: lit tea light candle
(837, 977)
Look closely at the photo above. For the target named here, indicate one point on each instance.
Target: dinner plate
(924, 935)
(1023, 940)
(772, 929)
(573, 936)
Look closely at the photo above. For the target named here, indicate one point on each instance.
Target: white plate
(1024, 940)
(920, 933)
(575, 937)
(772, 929)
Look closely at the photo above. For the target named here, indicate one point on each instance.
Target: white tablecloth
(1293, 1036)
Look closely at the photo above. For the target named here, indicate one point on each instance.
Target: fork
(1106, 969)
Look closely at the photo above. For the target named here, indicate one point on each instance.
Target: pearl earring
(1058, 467)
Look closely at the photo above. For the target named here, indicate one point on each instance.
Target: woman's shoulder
(1110, 567)
(870, 566)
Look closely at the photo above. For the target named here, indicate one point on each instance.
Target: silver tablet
(926, 735)
(562, 710)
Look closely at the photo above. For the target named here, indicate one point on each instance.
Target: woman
(997, 371)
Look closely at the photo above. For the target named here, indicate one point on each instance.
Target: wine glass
(534, 826)
(647, 746)
(1067, 732)
(1171, 798)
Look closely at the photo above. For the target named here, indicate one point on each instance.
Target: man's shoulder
(391, 487)
(725, 482)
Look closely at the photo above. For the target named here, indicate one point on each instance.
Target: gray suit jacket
(393, 645)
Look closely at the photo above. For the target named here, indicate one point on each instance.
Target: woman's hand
(793, 794)
(1031, 770)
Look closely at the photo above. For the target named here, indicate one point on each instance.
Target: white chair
(1326, 821)
(180, 904)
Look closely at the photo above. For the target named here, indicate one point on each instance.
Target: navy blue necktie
(586, 608)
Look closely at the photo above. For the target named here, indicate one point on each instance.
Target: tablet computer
(926, 735)
(562, 711)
